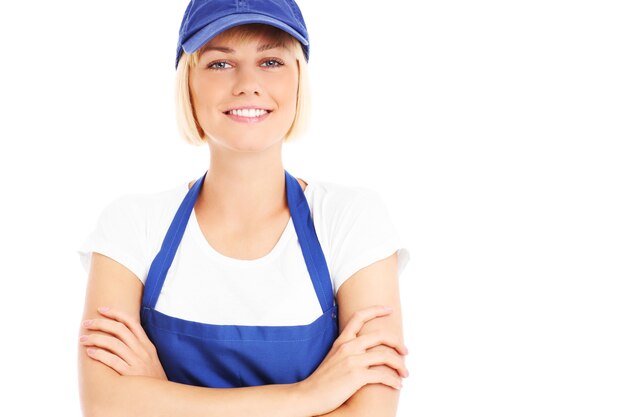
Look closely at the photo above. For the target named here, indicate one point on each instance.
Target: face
(235, 75)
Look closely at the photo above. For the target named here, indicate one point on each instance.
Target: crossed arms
(355, 379)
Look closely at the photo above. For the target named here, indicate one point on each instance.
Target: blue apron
(229, 356)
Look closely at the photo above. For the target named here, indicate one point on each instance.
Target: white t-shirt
(352, 224)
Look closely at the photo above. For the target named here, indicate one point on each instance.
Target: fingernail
(82, 338)
(103, 309)
(91, 351)
(387, 308)
(87, 322)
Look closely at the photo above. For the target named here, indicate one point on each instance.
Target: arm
(104, 392)
(374, 284)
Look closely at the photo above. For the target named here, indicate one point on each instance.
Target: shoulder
(338, 198)
(129, 228)
(150, 201)
(354, 227)
(344, 213)
(143, 210)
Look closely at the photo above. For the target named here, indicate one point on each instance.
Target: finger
(132, 323)
(112, 361)
(111, 344)
(117, 329)
(387, 358)
(359, 318)
(376, 338)
(386, 376)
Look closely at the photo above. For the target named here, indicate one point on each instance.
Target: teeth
(248, 112)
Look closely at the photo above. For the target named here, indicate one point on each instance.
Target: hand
(122, 345)
(346, 366)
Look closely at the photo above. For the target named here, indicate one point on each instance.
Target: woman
(247, 291)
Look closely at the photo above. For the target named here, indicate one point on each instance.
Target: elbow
(92, 406)
(91, 411)
(99, 402)
(100, 392)
(100, 407)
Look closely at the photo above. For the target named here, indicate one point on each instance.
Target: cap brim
(216, 27)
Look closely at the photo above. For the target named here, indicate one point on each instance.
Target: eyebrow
(261, 48)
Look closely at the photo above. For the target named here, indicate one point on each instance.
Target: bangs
(249, 33)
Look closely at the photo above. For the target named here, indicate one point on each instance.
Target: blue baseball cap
(205, 19)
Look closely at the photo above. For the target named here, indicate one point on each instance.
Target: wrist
(302, 399)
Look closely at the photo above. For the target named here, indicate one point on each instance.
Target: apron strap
(163, 260)
(311, 248)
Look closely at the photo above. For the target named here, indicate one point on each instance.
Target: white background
(494, 131)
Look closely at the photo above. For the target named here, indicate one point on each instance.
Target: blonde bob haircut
(188, 125)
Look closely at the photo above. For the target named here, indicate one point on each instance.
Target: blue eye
(211, 65)
(277, 63)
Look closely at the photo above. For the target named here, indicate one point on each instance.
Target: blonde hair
(187, 122)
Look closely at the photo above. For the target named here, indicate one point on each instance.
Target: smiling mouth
(248, 115)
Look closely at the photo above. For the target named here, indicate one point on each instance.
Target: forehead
(232, 46)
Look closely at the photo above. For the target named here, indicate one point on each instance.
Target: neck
(244, 186)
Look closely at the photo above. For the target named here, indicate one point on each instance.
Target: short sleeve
(363, 233)
(120, 234)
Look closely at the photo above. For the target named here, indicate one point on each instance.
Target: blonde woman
(247, 292)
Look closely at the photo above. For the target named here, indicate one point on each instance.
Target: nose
(246, 81)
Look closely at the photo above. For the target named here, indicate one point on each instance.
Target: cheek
(287, 90)
(201, 92)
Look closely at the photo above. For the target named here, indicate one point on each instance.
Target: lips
(248, 116)
(248, 108)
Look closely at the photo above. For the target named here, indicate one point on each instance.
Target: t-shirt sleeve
(120, 234)
(362, 233)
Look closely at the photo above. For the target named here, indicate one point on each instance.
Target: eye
(278, 62)
(212, 65)
(219, 65)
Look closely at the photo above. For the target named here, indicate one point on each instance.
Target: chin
(251, 144)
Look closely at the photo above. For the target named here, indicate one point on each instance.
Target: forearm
(124, 396)
(363, 407)
(373, 400)
(342, 411)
